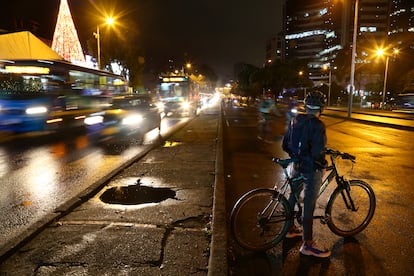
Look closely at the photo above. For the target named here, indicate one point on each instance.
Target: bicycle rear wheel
(350, 212)
(260, 219)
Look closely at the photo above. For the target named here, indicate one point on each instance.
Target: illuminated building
(312, 34)
(401, 28)
(316, 30)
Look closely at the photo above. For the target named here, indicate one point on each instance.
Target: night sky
(218, 33)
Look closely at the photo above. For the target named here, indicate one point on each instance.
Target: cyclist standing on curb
(305, 141)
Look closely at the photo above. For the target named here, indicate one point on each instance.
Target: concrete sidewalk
(171, 230)
(376, 117)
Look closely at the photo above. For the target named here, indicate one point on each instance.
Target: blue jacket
(311, 155)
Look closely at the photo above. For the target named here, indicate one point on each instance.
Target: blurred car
(126, 119)
(178, 106)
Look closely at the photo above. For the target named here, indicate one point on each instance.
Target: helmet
(315, 100)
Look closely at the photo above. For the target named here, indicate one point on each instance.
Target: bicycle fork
(346, 195)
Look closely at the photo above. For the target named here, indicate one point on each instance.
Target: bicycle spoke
(263, 231)
(351, 212)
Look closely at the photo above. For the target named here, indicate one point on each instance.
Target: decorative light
(65, 39)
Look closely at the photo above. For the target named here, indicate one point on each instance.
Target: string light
(65, 39)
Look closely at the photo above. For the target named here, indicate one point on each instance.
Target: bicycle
(264, 124)
(261, 218)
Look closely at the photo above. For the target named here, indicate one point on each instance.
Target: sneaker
(314, 250)
(293, 233)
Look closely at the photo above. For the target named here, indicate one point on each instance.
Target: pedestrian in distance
(305, 142)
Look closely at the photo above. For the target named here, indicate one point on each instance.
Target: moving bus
(37, 95)
(177, 95)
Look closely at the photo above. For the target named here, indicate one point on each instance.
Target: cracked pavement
(169, 237)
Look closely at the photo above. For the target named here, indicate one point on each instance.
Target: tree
(253, 81)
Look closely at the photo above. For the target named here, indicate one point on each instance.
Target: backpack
(296, 139)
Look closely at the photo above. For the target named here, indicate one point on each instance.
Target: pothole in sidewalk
(136, 194)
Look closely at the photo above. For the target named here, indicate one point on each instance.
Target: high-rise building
(372, 28)
(274, 48)
(316, 30)
(312, 34)
(401, 36)
(401, 24)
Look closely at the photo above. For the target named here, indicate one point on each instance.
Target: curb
(218, 253)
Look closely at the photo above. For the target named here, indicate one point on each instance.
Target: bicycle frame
(333, 174)
(261, 217)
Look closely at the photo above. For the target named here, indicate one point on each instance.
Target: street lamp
(381, 52)
(304, 92)
(330, 82)
(187, 66)
(352, 78)
(108, 21)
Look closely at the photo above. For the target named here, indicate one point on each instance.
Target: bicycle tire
(345, 222)
(258, 234)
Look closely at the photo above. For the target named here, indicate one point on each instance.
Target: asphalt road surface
(384, 160)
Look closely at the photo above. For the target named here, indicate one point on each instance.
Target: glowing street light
(108, 21)
(380, 53)
(330, 82)
(300, 73)
(186, 67)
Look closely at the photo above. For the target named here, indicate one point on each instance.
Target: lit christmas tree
(65, 39)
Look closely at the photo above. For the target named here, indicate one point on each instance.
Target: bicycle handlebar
(344, 155)
(335, 153)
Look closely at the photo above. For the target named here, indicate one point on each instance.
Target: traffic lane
(168, 236)
(384, 160)
(369, 143)
(42, 178)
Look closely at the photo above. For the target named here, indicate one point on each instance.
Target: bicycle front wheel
(349, 211)
(260, 219)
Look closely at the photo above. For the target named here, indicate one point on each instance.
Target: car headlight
(36, 110)
(132, 119)
(160, 105)
(93, 120)
(185, 105)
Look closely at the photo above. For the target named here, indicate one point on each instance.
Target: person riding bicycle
(292, 110)
(305, 141)
(267, 111)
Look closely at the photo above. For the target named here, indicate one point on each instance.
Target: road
(384, 159)
(41, 175)
(152, 218)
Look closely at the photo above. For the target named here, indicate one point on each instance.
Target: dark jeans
(312, 183)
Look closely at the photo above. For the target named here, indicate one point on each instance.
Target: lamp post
(304, 91)
(384, 88)
(381, 52)
(329, 88)
(352, 78)
(187, 66)
(98, 41)
(108, 21)
(329, 82)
